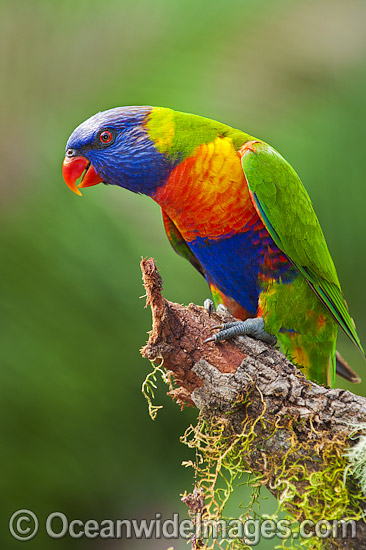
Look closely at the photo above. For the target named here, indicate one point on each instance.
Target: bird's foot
(250, 327)
(222, 310)
(210, 307)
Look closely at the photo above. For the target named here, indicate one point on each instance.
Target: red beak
(75, 167)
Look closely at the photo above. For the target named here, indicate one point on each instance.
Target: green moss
(356, 457)
(149, 386)
(222, 456)
(333, 494)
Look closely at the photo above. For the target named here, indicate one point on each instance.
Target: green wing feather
(286, 210)
(179, 244)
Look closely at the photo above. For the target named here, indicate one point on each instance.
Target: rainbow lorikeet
(238, 212)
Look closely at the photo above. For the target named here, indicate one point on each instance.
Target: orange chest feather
(206, 195)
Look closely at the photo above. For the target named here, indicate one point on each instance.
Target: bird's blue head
(114, 147)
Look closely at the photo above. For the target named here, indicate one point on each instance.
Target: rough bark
(214, 377)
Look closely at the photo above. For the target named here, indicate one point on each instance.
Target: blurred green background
(75, 433)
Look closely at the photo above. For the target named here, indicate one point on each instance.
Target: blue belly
(238, 265)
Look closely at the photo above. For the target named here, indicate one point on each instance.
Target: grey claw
(221, 309)
(210, 339)
(209, 306)
(216, 327)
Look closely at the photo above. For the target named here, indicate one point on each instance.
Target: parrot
(239, 213)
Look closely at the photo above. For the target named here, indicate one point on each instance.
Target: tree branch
(304, 426)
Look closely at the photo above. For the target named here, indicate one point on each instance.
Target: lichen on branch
(259, 414)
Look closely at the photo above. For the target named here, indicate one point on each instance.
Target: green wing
(179, 244)
(285, 209)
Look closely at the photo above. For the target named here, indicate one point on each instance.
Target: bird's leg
(250, 327)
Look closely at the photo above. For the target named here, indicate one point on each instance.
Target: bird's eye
(70, 152)
(106, 136)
